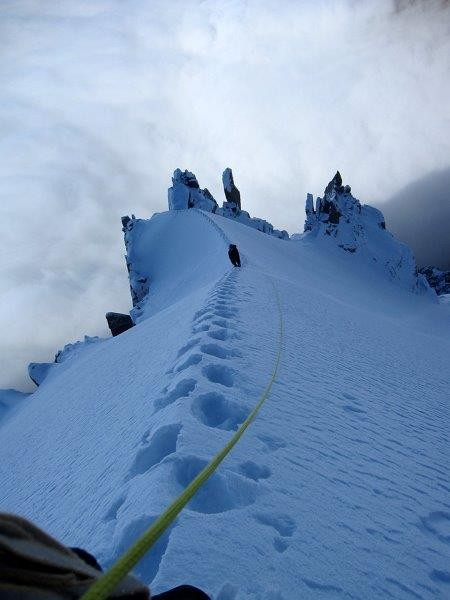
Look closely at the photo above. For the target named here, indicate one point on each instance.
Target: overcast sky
(102, 99)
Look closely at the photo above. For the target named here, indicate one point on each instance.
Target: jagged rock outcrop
(118, 322)
(232, 209)
(186, 193)
(356, 228)
(437, 279)
(340, 215)
(139, 283)
(232, 194)
(125, 220)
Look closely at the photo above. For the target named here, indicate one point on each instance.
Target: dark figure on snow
(233, 253)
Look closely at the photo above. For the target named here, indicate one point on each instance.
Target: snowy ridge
(164, 447)
(219, 230)
(338, 489)
(153, 251)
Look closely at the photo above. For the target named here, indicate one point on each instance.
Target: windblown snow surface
(340, 488)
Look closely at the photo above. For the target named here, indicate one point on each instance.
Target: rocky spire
(341, 218)
(336, 203)
(186, 193)
(232, 194)
(334, 185)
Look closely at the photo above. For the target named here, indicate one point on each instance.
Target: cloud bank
(103, 99)
(419, 215)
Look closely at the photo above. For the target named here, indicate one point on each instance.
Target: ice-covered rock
(39, 371)
(356, 228)
(139, 282)
(437, 279)
(310, 213)
(232, 194)
(260, 224)
(125, 221)
(186, 193)
(340, 215)
(118, 322)
(70, 350)
(232, 209)
(139, 285)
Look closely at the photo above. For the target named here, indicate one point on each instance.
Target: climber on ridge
(233, 253)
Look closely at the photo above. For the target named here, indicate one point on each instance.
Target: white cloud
(102, 99)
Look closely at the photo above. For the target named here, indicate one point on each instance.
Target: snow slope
(10, 400)
(341, 486)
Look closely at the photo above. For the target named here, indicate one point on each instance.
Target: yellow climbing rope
(101, 589)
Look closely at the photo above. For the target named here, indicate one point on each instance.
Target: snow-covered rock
(438, 280)
(75, 348)
(262, 225)
(232, 194)
(339, 215)
(139, 282)
(186, 193)
(259, 224)
(38, 372)
(232, 209)
(340, 218)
